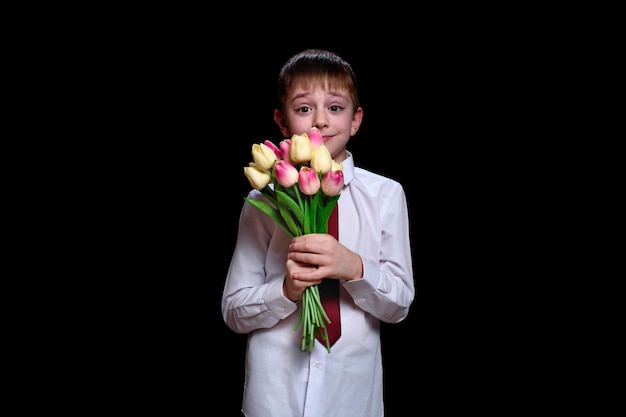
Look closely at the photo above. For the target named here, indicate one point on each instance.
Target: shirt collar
(347, 168)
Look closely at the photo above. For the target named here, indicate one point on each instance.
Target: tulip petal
(315, 137)
(258, 178)
(300, 149)
(263, 156)
(286, 174)
(321, 161)
(274, 148)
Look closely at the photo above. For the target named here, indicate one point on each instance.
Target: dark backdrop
(239, 112)
(388, 143)
(126, 317)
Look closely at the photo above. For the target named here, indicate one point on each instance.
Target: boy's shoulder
(367, 174)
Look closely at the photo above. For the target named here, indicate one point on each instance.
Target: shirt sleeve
(253, 292)
(387, 288)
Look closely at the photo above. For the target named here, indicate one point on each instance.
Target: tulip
(286, 174)
(274, 148)
(300, 149)
(258, 178)
(263, 156)
(315, 137)
(332, 183)
(284, 145)
(274, 172)
(308, 181)
(321, 161)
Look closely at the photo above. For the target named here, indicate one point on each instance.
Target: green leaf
(269, 194)
(307, 215)
(316, 226)
(292, 191)
(325, 210)
(288, 218)
(291, 204)
(272, 212)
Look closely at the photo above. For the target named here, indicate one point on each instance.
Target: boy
(371, 259)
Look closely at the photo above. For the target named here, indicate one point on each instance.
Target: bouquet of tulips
(302, 183)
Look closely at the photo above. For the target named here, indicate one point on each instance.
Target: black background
(141, 221)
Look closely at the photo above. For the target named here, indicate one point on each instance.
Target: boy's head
(316, 67)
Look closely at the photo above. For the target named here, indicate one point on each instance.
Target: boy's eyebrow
(306, 93)
(332, 92)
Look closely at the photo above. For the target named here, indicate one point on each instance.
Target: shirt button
(318, 364)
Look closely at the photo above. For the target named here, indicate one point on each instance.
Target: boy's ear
(282, 123)
(357, 118)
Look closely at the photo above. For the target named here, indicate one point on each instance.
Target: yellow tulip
(263, 156)
(321, 161)
(258, 178)
(300, 149)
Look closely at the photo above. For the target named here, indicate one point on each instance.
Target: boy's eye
(335, 108)
(303, 109)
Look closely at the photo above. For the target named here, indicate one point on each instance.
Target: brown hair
(316, 66)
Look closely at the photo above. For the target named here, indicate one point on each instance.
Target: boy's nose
(320, 123)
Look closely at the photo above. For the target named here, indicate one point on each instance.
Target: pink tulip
(309, 182)
(286, 174)
(332, 183)
(284, 149)
(274, 148)
(315, 137)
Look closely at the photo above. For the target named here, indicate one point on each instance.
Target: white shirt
(282, 380)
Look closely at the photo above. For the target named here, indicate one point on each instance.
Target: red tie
(329, 291)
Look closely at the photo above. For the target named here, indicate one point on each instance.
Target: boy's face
(331, 111)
